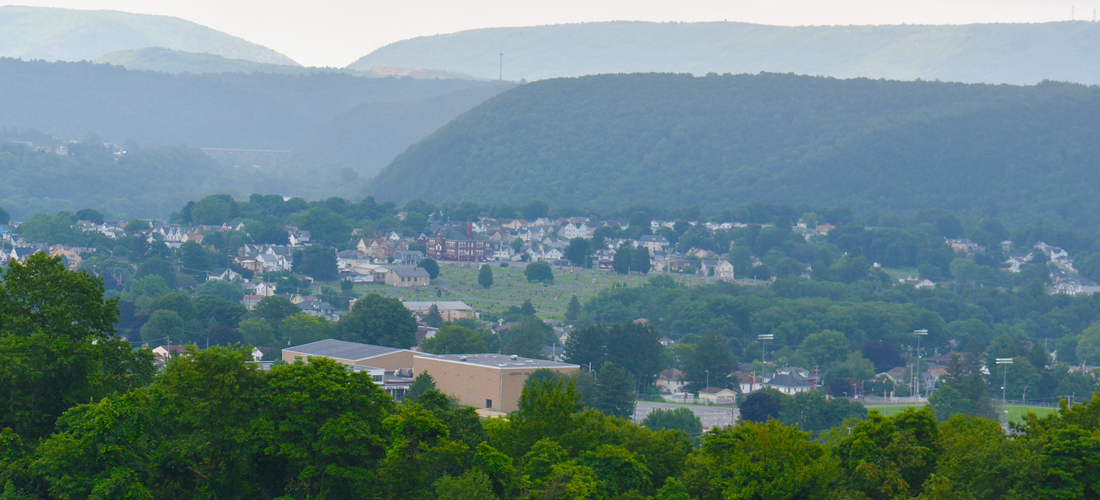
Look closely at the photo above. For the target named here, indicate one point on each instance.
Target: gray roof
(501, 361)
(408, 272)
(339, 349)
(442, 305)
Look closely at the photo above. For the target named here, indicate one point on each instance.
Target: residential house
(251, 301)
(408, 277)
(318, 308)
(574, 230)
(297, 236)
(409, 258)
(223, 273)
(671, 380)
(655, 243)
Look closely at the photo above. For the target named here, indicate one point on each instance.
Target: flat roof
(450, 305)
(498, 361)
(340, 349)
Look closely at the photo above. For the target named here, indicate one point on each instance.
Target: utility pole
(1004, 387)
(919, 334)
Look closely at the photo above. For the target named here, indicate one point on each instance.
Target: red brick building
(452, 243)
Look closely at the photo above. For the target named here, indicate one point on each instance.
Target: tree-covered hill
(143, 183)
(75, 35)
(232, 110)
(989, 53)
(717, 141)
(178, 61)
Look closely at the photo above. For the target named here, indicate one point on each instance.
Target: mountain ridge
(972, 53)
(54, 34)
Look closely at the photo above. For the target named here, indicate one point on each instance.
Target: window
(488, 403)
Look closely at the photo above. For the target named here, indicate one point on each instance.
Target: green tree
(163, 324)
(213, 210)
(453, 339)
(319, 417)
(421, 384)
(527, 338)
(587, 346)
(517, 245)
(473, 485)
(527, 309)
(317, 262)
(302, 328)
(711, 355)
(194, 257)
(380, 321)
(221, 289)
(573, 311)
(636, 347)
(578, 251)
(762, 406)
(763, 460)
(639, 258)
(58, 345)
(5, 217)
(485, 276)
(431, 266)
(884, 457)
(615, 391)
(539, 272)
(946, 401)
(88, 214)
(434, 318)
(623, 260)
(676, 419)
(275, 309)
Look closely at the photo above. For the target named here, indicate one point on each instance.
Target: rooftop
(339, 349)
(500, 361)
(449, 305)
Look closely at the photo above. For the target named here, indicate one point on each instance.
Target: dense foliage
(990, 53)
(717, 141)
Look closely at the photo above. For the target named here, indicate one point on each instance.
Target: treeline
(676, 140)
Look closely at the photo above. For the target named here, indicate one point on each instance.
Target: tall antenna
(1072, 16)
(501, 77)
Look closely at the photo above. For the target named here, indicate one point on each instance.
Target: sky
(337, 32)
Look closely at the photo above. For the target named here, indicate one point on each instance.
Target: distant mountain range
(338, 127)
(611, 141)
(75, 35)
(974, 53)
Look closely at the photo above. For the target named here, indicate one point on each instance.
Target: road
(711, 416)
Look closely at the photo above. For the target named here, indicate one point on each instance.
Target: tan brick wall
(392, 361)
(474, 384)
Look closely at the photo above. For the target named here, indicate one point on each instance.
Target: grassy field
(459, 282)
(1015, 412)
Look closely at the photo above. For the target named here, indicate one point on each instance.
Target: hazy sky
(337, 32)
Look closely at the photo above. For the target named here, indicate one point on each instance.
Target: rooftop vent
(462, 358)
(514, 356)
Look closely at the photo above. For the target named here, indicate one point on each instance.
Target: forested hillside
(1017, 153)
(238, 111)
(177, 61)
(75, 35)
(142, 183)
(989, 53)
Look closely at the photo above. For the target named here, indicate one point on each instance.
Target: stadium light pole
(919, 334)
(1004, 386)
(763, 344)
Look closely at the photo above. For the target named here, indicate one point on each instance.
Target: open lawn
(510, 287)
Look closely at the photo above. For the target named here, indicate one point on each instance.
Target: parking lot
(711, 416)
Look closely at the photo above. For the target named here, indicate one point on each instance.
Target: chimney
(470, 229)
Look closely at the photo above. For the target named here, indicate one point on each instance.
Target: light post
(919, 334)
(1004, 387)
(763, 343)
(707, 390)
(1025, 394)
